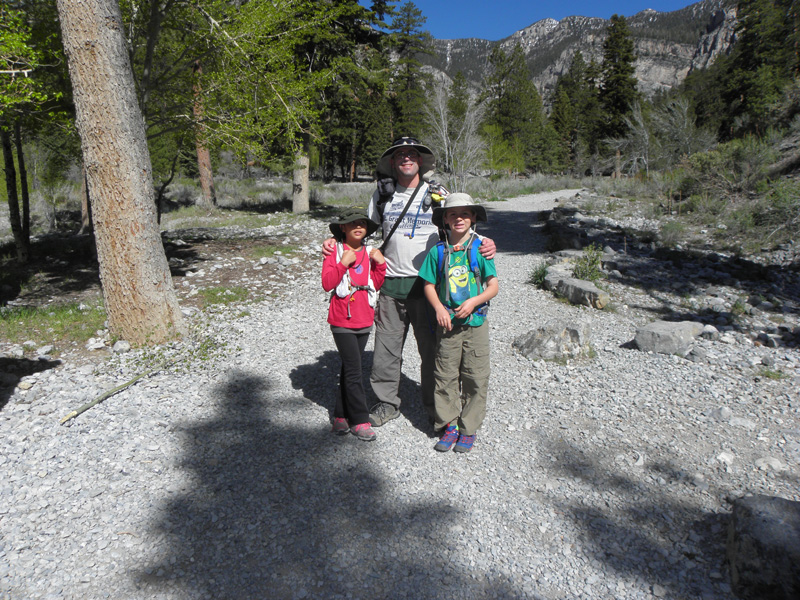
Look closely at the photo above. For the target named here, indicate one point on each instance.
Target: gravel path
(604, 478)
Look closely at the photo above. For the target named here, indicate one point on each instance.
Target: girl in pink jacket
(354, 274)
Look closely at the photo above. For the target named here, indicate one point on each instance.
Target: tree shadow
(643, 534)
(319, 382)
(13, 370)
(277, 511)
(516, 232)
(65, 262)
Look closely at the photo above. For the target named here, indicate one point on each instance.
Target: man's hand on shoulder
(329, 246)
(487, 248)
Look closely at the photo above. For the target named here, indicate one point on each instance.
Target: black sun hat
(353, 214)
(427, 161)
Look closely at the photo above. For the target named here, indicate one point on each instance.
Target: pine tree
(576, 115)
(763, 61)
(618, 88)
(515, 106)
(408, 40)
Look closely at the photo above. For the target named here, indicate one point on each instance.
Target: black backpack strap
(400, 218)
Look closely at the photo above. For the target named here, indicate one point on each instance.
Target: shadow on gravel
(277, 511)
(319, 382)
(514, 232)
(647, 536)
(12, 370)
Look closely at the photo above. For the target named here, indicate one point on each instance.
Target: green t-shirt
(461, 280)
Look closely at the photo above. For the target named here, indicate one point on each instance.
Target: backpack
(443, 258)
(346, 288)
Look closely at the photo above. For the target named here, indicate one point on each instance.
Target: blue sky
(497, 19)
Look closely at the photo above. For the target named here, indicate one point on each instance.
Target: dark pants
(352, 401)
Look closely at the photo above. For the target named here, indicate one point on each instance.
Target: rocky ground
(216, 477)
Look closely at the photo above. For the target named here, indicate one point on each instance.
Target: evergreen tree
(576, 114)
(618, 88)
(408, 40)
(458, 100)
(515, 106)
(763, 61)
(563, 120)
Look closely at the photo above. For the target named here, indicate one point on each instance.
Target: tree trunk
(23, 186)
(209, 197)
(353, 159)
(300, 191)
(139, 296)
(86, 205)
(21, 243)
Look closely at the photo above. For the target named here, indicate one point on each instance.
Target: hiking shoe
(382, 413)
(340, 426)
(464, 443)
(364, 432)
(448, 439)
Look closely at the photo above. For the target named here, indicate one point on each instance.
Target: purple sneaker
(448, 439)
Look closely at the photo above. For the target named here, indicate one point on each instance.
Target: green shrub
(538, 275)
(587, 266)
(672, 233)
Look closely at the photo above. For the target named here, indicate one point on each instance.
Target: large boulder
(667, 337)
(764, 548)
(584, 293)
(555, 340)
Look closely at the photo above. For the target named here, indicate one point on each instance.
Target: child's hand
(466, 308)
(348, 257)
(443, 317)
(328, 247)
(377, 256)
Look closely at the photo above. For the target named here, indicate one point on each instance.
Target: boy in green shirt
(459, 282)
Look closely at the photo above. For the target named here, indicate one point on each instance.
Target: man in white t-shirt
(404, 171)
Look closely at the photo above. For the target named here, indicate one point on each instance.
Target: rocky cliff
(667, 45)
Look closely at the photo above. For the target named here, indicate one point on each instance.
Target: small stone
(770, 463)
(121, 347)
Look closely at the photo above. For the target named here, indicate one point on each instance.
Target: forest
(313, 91)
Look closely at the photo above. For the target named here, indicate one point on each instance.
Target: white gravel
(608, 477)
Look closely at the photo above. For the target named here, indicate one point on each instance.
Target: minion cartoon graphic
(459, 284)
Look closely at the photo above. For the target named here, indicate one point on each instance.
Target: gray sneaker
(382, 413)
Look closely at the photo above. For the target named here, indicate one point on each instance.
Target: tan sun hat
(427, 161)
(454, 201)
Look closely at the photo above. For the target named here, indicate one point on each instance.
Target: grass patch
(773, 374)
(223, 295)
(61, 323)
(270, 250)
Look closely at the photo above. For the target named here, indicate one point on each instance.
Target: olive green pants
(461, 354)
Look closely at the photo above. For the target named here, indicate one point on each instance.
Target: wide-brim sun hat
(456, 200)
(427, 162)
(349, 216)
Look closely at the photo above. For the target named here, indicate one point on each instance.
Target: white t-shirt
(412, 239)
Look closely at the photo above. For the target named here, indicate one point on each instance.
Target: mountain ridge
(668, 46)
